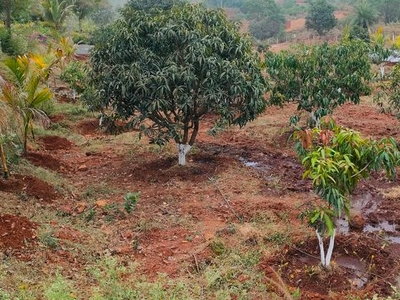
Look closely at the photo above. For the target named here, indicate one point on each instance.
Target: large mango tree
(163, 70)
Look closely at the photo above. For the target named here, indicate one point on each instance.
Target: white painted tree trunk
(321, 247)
(317, 122)
(326, 260)
(330, 248)
(182, 151)
(382, 71)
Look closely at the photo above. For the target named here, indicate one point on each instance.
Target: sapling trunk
(382, 72)
(321, 248)
(183, 149)
(326, 260)
(330, 248)
(6, 173)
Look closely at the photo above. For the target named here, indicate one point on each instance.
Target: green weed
(96, 190)
(60, 289)
(130, 201)
(49, 240)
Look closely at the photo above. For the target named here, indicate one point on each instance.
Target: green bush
(13, 44)
(75, 74)
(80, 38)
(265, 28)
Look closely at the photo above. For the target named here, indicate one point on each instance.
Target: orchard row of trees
(53, 11)
(162, 70)
(175, 63)
(320, 16)
(267, 18)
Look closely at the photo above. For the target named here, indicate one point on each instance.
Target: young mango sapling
(336, 159)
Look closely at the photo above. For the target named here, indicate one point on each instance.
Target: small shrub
(14, 45)
(4, 295)
(218, 247)
(80, 38)
(89, 216)
(49, 240)
(59, 289)
(75, 74)
(130, 201)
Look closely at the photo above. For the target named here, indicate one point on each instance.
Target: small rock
(82, 168)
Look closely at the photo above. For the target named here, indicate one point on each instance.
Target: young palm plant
(27, 90)
(56, 11)
(336, 159)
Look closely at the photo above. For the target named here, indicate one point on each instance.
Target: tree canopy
(56, 11)
(320, 17)
(224, 3)
(389, 10)
(365, 14)
(13, 8)
(319, 78)
(163, 72)
(266, 18)
(148, 5)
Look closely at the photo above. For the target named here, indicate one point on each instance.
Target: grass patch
(98, 190)
(72, 111)
(59, 183)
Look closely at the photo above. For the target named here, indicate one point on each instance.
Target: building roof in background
(83, 49)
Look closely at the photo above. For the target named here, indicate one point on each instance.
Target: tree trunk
(321, 248)
(183, 149)
(382, 71)
(330, 249)
(7, 21)
(6, 173)
(326, 260)
(25, 141)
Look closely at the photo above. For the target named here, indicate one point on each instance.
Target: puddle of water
(309, 260)
(364, 204)
(380, 226)
(342, 225)
(360, 204)
(255, 165)
(359, 268)
(251, 164)
(395, 240)
(360, 278)
(351, 263)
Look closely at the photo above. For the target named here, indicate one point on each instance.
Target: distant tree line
(53, 11)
